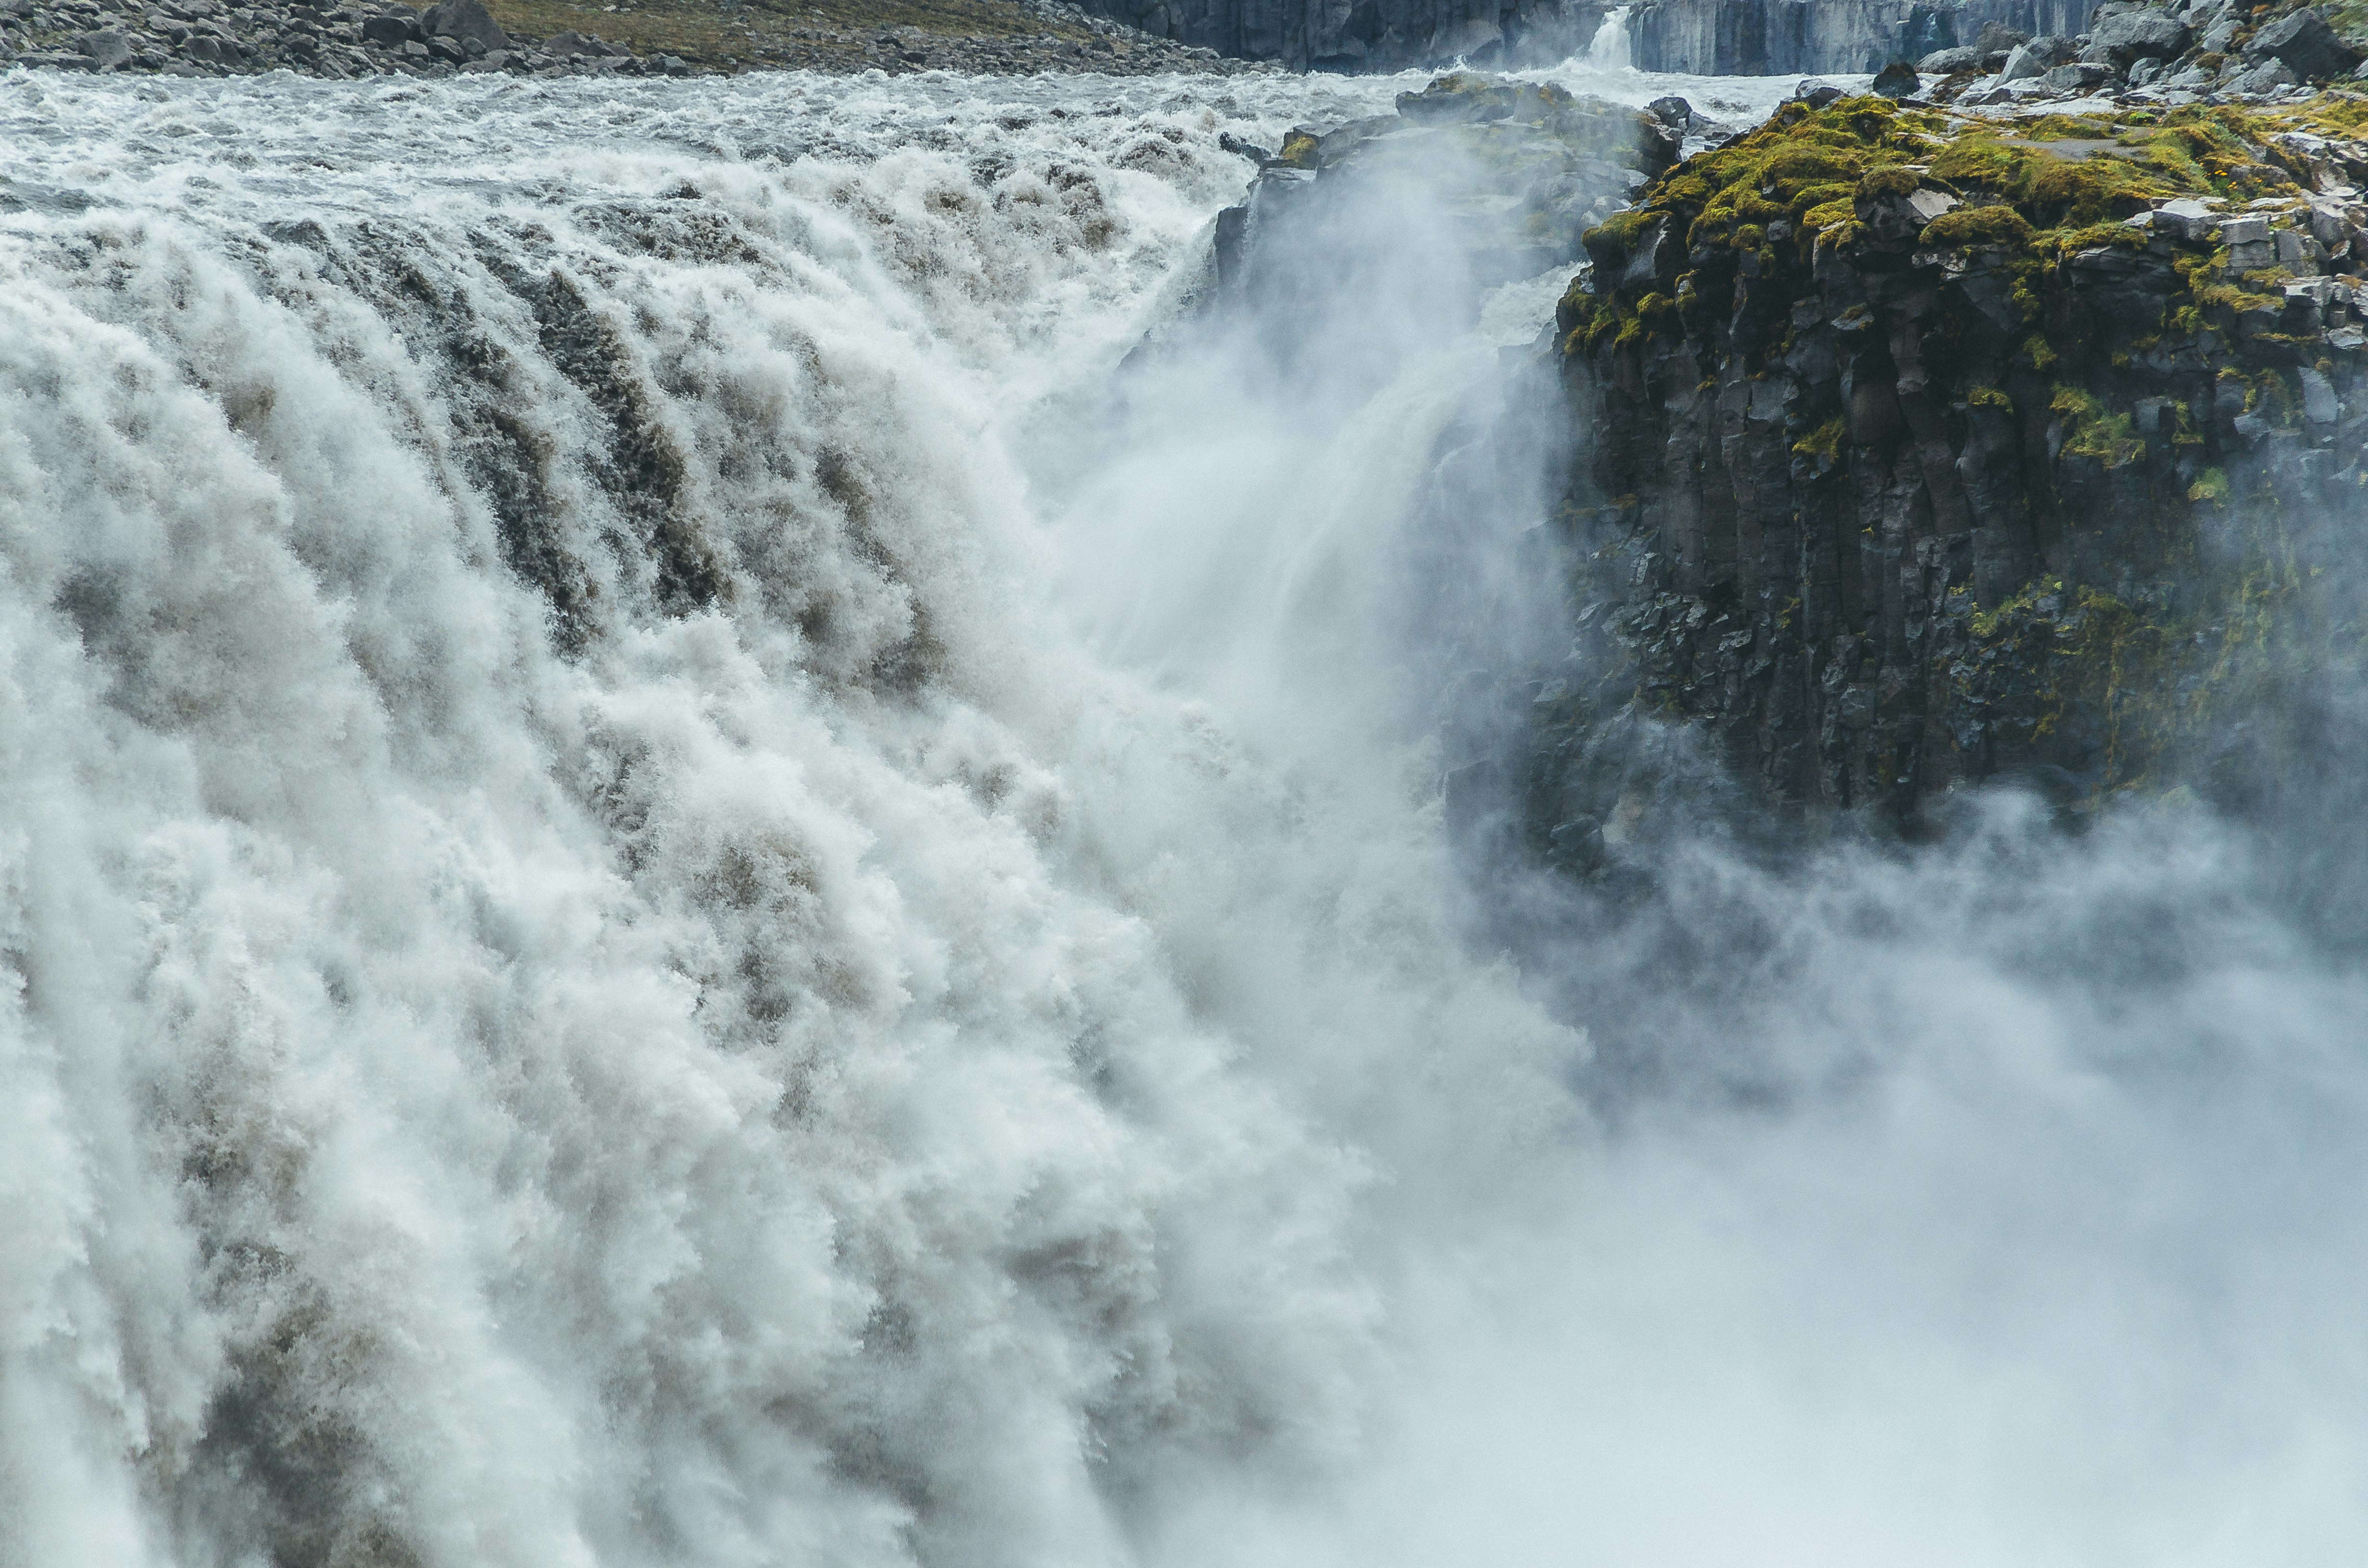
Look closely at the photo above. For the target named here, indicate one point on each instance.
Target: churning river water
(681, 883)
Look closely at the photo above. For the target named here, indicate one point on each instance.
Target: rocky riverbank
(347, 38)
(2178, 53)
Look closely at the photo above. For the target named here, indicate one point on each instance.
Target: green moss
(1891, 180)
(2090, 432)
(1623, 227)
(1800, 163)
(1978, 226)
(2211, 487)
(1825, 441)
(1298, 151)
(1989, 397)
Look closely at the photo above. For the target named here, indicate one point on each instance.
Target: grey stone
(391, 30)
(2078, 76)
(2221, 36)
(1949, 61)
(2138, 35)
(2305, 45)
(106, 51)
(2033, 59)
(2186, 217)
(2291, 248)
(463, 21)
(1997, 37)
(2267, 76)
(2247, 230)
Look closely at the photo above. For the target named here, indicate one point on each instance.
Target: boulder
(1897, 80)
(393, 29)
(1672, 112)
(1949, 61)
(1460, 98)
(2137, 34)
(2035, 58)
(465, 21)
(2186, 217)
(2259, 76)
(2305, 45)
(2077, 78)
(1997, 37)
(106, 51)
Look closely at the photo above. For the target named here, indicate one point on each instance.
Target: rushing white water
(682, 886)
(1608, 51)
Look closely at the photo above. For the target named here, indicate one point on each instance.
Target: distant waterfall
(1609, 49)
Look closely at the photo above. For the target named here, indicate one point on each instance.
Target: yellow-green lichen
(2090, 432)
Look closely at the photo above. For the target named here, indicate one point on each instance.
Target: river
(685, 879)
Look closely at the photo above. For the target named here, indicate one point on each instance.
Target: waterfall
(690, 875)
(1608, 51)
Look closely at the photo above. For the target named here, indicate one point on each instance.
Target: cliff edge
(1916, 447)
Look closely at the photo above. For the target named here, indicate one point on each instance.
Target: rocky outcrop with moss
(1916, 447)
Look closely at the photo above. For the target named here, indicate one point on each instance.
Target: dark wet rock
(1897, 80)
(1906, 475)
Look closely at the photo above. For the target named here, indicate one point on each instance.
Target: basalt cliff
(1907, 448)
(1915, 448)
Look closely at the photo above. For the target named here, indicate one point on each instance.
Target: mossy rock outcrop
(1915, 448)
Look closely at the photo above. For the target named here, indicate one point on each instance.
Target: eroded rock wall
(1905, 461)
(1370, 35)
(1756, 38)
